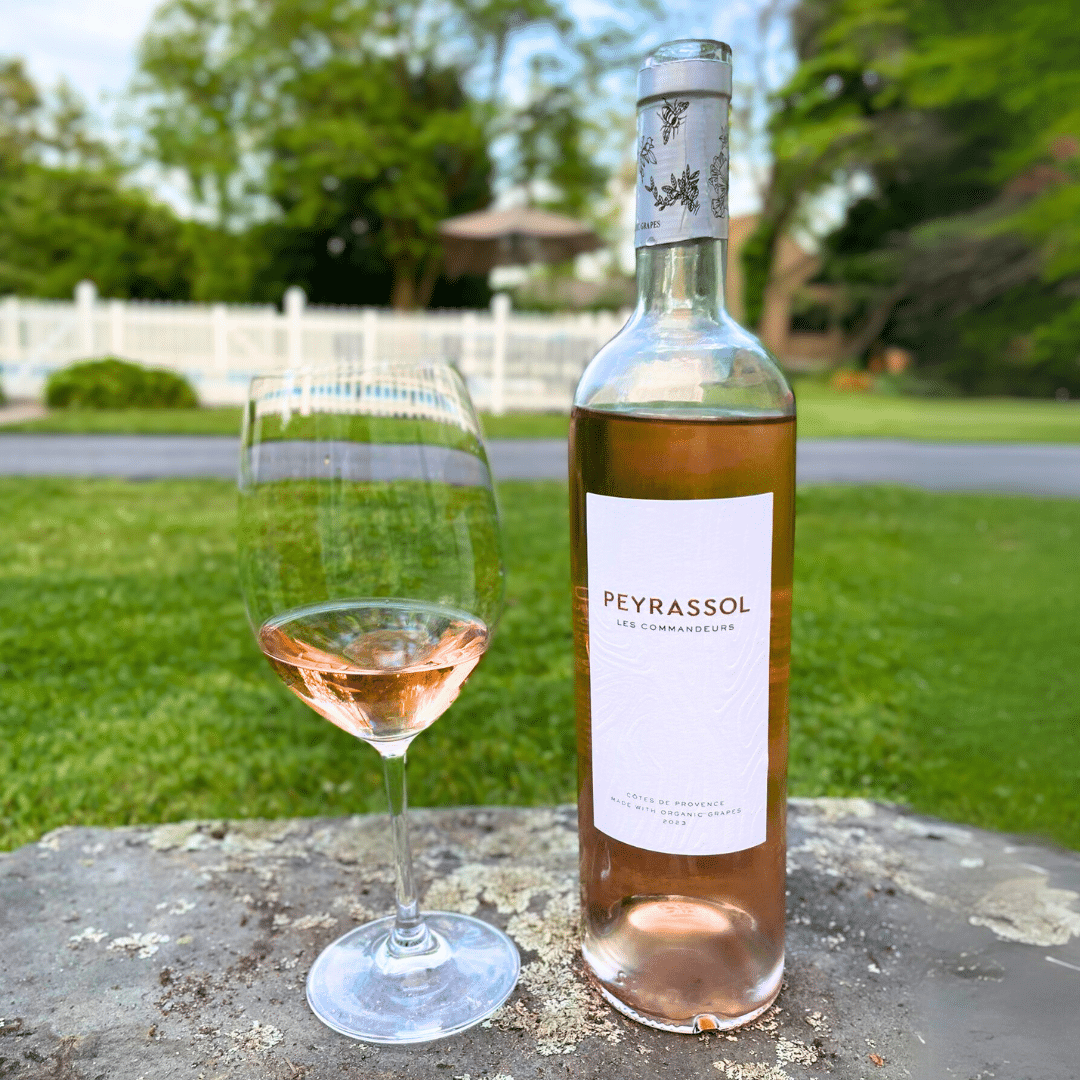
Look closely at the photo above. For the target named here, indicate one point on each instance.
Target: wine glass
(371, 569)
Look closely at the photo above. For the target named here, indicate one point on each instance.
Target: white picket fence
(511, 361)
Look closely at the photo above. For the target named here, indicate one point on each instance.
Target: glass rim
(357, 367)
(312, 388)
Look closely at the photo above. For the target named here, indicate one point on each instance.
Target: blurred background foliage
(320, 142)
(961, 125)
(314, 142)
(112, 383)
(66, 212)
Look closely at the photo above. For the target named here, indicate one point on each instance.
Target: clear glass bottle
(682, 469)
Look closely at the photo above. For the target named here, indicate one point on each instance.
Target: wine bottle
(682, 467)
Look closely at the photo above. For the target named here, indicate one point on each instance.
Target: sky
(91, 43)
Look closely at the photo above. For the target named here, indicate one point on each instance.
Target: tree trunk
(857, 343)
(426, 284)
(403, 290)
(411, 290)
(759, 252)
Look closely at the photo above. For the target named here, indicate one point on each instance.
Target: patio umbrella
(477, 242)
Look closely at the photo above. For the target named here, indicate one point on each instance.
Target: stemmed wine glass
(372, 573)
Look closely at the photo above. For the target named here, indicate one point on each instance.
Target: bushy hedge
(117, 384)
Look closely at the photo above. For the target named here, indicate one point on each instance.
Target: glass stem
(410, 934)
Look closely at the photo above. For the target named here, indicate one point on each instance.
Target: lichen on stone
(788, 1051)
(768, 1021)
(176, 907)
(831, 810)
(509, 889)
(553, 1004)
(91, 934)
(853, 852)
(558, 1007)
(935, 831)
(174, 835)
(358, 912)
(542, 836)
(141, 945)
(794, 1051)
(1029, 911)
(259, 1039)
(749, 1070)
(308, 922)
(360, 840)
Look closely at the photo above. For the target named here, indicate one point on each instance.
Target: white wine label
(682, 158)
(679, 616)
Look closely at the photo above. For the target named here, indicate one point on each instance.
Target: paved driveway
(1009, 468)
(151, 457)
(1027, 468)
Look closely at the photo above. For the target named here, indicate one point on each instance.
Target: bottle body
(684, 942)
(682, 468)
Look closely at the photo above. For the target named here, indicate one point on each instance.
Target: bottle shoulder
(687, 367)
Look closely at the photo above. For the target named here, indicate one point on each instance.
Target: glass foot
(357, 988)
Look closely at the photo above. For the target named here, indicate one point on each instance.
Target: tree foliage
(65, 213)
(321, 143)
(344, 131)
(966, 119)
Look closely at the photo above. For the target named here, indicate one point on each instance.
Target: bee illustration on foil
(672, 116)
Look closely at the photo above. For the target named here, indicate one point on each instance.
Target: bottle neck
(682, 281)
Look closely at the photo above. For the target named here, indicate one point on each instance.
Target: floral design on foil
(682, 189)
(646, 155)
(718, 180)
(672, 116)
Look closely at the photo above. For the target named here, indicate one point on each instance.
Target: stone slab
(916, 949)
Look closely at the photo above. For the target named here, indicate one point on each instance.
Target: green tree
(64, 211)
(58, 226)
(964, 118)
(344, 131)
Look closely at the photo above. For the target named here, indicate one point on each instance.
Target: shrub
(117, 384)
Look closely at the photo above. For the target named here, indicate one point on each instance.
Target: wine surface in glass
(677, 937)
(379, 669)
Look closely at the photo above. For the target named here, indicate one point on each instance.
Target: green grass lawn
(935, 662)
(823, 412)
(226, 421)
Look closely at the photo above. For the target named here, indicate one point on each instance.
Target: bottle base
(701, 1023)
(684, 963)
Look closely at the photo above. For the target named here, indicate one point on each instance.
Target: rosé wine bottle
(682, 468)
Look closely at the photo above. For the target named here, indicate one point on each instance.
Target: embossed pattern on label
(682, 160)
(679, 616)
